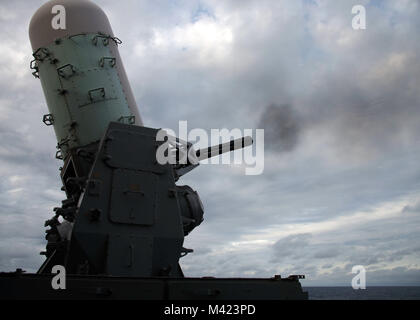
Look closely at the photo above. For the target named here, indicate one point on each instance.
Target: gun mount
(124, 215)
(120, 231)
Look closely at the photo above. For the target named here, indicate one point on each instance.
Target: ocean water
(370, 293)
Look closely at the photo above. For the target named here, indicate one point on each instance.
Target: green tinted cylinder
(81, 73)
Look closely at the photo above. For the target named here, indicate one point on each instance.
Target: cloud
(291, 245)
(281, 127)
(326, 253)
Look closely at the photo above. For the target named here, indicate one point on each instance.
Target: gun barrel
(224, 147)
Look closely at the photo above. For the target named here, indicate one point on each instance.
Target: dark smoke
(281, 127)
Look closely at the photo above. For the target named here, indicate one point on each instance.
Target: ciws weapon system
(119, 233)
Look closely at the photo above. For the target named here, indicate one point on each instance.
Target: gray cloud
(281, 127)
(327, 253)
(291, 245)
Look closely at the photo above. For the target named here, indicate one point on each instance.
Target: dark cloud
(327, 253)
(281, 127)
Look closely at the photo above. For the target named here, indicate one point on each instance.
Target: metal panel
(133, 158)
(133, 199)
(129, 255)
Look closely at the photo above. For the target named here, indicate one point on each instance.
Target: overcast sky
(340, 109)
